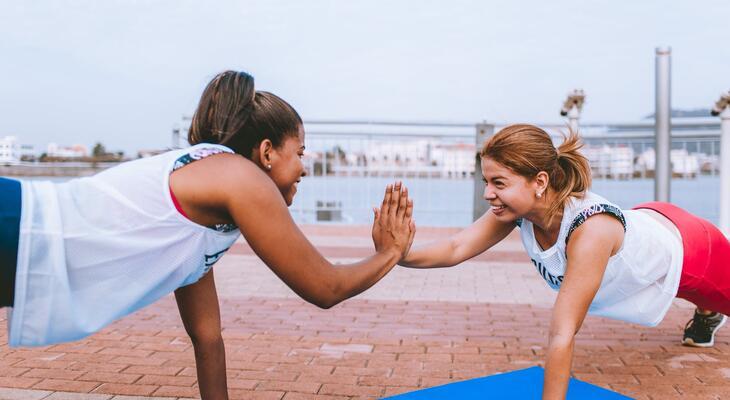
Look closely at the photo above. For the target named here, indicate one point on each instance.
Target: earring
(268, 166)
(538, 194)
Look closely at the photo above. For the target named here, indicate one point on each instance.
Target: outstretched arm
(200, 313)
(470, 242)
(258, 209)
(590, 247)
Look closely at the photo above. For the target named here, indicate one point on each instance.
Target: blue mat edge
(576, 385)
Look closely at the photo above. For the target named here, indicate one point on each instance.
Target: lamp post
(572, 106)
(662, 124)
(722, 109)
(484, 132)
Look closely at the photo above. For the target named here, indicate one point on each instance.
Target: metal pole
(484, 132)
(176, 137)
(573, 117)
(725, 172)
(662, 124)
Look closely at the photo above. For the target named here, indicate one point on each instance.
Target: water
(449, 202)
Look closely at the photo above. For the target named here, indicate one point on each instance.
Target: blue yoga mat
(516, 385)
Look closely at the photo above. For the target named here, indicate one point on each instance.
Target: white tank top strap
(595, 209)
(198, 152)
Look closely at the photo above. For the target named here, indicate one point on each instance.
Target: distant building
(626, 149)
(73, 151)
(9, 150)
(144, 153)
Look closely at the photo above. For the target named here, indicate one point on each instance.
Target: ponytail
(232, 113)
(572, 177)
(224, 108)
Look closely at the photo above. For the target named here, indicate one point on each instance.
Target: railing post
(722, 108)
(573, 117)
(662, 124)
(484, 132)
(175, 136)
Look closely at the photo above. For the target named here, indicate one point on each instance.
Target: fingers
(394, 199)
(402, 204)
(412, 235)
(376, 214)
(408, 210)
(385, 207)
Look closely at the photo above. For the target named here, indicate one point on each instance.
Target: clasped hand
(394, 227)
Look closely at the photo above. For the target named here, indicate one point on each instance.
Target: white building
(74, 151)
(9, 150)
(423, 156)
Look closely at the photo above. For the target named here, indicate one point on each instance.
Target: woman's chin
(289, 199)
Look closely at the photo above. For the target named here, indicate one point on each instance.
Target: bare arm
(470, 242)
(200, 313)
(234, 186)
(589, 249)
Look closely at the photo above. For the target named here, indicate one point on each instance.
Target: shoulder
(223, 176)
(224, 166)
(600, 231)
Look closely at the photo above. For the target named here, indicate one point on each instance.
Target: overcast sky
(124, 72)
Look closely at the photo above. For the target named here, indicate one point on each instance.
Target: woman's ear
(265, 153)
(542, 180)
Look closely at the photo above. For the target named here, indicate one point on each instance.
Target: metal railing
(349, 164)
(347, 173)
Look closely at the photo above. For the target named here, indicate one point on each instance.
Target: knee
(206, 337)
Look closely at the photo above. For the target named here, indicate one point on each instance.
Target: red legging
(705, 277)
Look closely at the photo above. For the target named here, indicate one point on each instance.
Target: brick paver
(414, 329)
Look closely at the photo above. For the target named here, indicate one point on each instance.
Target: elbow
(325, 301)
(325, 304)
(327, 296)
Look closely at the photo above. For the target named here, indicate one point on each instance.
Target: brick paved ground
(414, 329)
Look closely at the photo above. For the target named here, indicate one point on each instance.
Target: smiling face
(287, 168)
(511, 196)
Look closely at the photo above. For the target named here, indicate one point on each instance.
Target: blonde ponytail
(572, 177)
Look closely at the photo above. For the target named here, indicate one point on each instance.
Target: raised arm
(470, 242)
(589, 248)
(257, 207)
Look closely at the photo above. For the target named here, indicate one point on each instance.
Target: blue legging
(9, 232)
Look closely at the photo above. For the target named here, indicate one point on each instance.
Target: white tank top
(640, 280)
(95, 249)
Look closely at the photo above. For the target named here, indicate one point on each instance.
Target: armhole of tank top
(595, 209)
(189, 157)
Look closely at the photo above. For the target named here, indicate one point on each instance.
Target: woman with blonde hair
(622, 264)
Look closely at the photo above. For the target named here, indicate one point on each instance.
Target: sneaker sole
(691, 343)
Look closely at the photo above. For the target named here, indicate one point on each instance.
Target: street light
(721, 105)
(572, 106)
(722, 109)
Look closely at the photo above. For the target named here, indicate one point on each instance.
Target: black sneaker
(700, 330)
